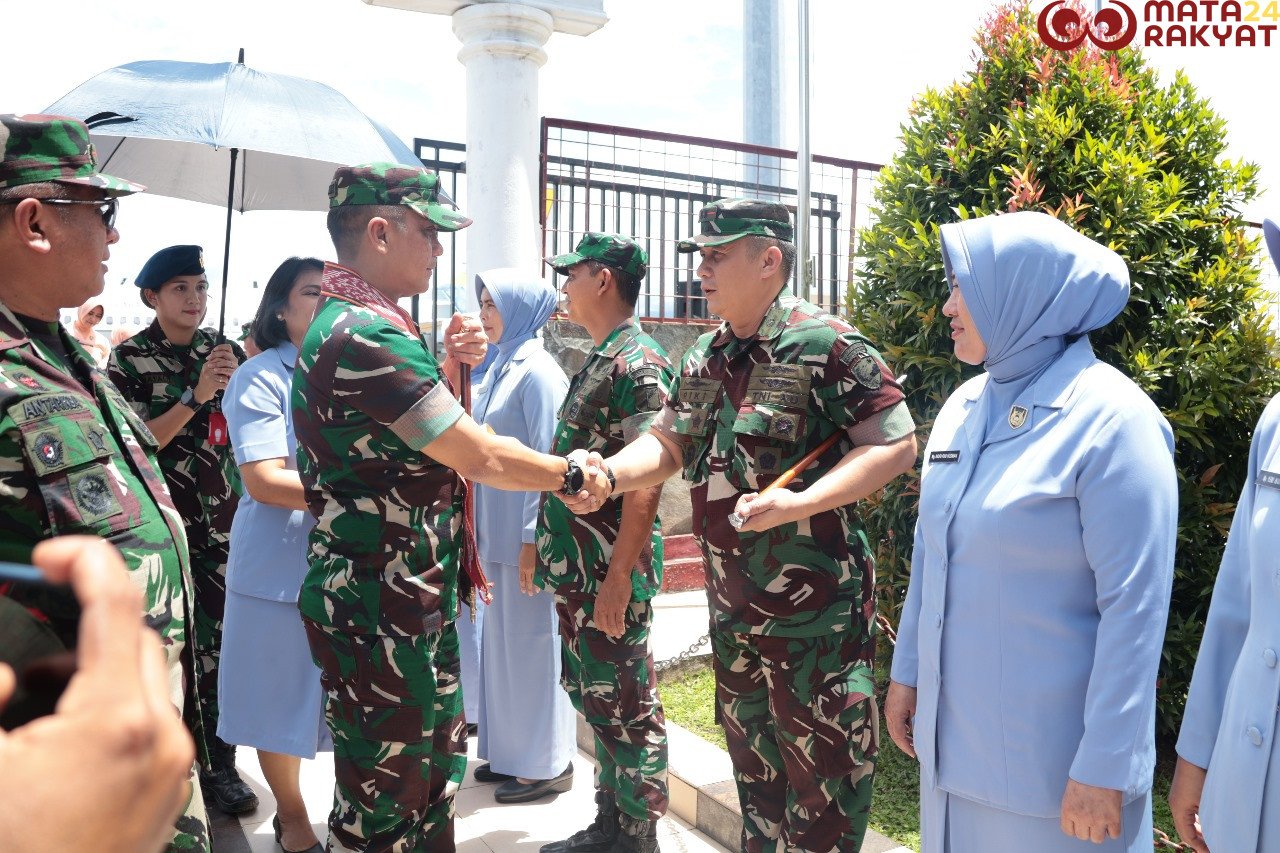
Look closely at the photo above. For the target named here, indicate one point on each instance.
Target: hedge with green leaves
(1097, 140)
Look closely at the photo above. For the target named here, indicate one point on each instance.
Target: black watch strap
(613, 481)
(188, 399)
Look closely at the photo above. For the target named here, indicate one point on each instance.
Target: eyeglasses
(107, 207)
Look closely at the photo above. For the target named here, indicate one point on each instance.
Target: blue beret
(170, 263)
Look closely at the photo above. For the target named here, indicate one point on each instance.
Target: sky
(666, 65)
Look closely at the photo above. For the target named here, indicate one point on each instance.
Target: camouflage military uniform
(381, 593)
(792, 608)
(203, 480)
(75, 459)
(612, 683)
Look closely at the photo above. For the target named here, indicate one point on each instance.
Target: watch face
(573, 479)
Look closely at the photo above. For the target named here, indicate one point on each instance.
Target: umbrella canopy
(223, 133)
(172, 125)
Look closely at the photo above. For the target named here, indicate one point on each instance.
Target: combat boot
(596, 838)
(222, 785)
(635, 835)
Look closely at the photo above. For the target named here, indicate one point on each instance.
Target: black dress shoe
(486, 773)
(516, 791)
(472, 729)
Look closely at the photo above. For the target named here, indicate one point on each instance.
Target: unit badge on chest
(49, 447)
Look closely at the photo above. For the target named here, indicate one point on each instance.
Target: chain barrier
(691, 652)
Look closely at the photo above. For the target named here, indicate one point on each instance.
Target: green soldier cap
(392, 183)
(728, 219)
(613, 250)
(39, 148)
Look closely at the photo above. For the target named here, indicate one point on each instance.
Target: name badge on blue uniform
(1270, 479)
(944, 456)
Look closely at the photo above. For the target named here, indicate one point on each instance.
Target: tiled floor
(483, 826)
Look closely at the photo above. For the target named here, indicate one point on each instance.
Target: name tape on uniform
(944, 456)
(1269, 479)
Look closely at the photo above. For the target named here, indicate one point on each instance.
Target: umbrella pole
(226, 248)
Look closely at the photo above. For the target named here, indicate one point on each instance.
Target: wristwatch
(188, 399)
(573, 478)
(613, 481)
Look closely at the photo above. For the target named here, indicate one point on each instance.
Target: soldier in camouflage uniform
(606, 566)
(170, 373)
(791, 592)
(74, 458)
(383, 442)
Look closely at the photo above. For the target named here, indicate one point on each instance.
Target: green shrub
(1095, 139)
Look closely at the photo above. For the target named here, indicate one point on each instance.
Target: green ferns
(1094, 139)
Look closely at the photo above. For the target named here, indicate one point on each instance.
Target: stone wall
(569, 344)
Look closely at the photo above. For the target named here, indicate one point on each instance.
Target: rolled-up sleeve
(390, 376)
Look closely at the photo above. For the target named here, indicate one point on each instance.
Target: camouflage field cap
(728, 219)
(39, 148)
(612, 250)
(392, 183)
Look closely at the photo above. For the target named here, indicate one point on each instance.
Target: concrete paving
(704, 803)
(483, 826)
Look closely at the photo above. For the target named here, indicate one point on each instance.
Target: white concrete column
(502, 52)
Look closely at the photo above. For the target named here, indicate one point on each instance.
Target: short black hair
(628, 285)
(43, 189)
(346, 223)
(268, 329)
(759, 244)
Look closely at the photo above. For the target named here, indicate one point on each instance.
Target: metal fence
(448, 160)
(651, 185)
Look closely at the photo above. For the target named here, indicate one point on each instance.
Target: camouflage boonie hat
(392, 183)
(728, 219)
(613, 250)
(39, 148)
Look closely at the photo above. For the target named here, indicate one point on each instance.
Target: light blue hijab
(1030, 282)
(525, 302)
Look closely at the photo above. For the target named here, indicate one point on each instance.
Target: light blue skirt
(527, 723)
(952, 824)
(269, 691)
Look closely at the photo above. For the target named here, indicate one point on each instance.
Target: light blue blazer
(1229, 725)
(1040, 589)
(518, 398)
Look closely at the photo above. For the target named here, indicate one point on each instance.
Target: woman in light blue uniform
(525, 718)
(1229, 727)
(268, 685)
(1024, 674)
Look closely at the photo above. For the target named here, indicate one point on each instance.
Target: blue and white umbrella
(225, 134)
